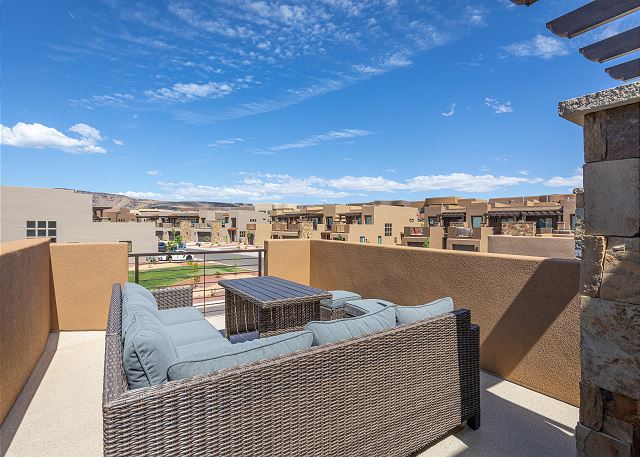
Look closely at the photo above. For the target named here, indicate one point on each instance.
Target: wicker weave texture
(330, 314)
(174, 297)
(389, 393)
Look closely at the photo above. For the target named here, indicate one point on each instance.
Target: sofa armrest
(174, 297)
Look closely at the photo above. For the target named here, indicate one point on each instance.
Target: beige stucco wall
(82, 278)
(24, 314)
(527, 307)
(262, 234)
(289, 259)
(558, 247)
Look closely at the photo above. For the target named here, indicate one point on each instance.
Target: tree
(176, 241)
(426, 243)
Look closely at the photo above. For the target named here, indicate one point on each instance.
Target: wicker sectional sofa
(388, 393)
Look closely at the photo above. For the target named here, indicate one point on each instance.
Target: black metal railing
(199, 268)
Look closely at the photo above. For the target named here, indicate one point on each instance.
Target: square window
(53, 240)
(42, 232)
(42, 224)
(52, 224)
(31, 232)
(31, 224)
(52, 232)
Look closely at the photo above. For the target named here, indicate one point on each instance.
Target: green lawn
(165, 277)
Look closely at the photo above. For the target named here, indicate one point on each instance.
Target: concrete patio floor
(59, 413)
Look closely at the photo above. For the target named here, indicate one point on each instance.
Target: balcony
(340, 227)
(528, 320)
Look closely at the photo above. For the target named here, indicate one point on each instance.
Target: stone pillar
(610, 274)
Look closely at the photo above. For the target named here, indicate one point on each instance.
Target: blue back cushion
(368, 305)
(325, 332)
(409, 314)
(147, 351)
(339, 298)
(133, 288)
(132, 302)
(220, 357)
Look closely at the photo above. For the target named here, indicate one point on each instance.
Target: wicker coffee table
(269, 305)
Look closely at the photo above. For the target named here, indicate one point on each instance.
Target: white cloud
(314, 140)
(266, 186)
(118, 142)
(569, 182)
(147, 195)
(154, 172)
(498, 107)
(524, 172)
(190, 91)
(390, 170)
(543, 47)
(113, 100)
(226, 142)
(451, 110)
(40, 136)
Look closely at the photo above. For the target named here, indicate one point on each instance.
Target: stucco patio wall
(528, 308)
(24, 314)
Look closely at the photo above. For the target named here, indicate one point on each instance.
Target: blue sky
(317, 101)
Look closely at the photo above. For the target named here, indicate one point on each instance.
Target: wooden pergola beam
(613, 47)
(625, 71)
(591, 15)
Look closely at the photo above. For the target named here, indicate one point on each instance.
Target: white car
(173, 256)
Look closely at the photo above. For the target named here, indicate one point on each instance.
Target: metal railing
(199, 268)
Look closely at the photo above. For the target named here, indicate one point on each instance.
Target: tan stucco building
(64, 216)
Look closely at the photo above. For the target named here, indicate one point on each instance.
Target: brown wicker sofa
(389, 393)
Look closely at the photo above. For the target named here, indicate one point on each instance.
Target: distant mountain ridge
(109, 200)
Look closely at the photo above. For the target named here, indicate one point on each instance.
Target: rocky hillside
(109, 200)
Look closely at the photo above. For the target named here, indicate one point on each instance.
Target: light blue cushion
(368, 305)
(180, 315)
(133, 288)
(201, 346)
(339, 298)
(147, 352)
(228, 356)
(409, 314)
(192, 332)
(325, 332)
(133, 302)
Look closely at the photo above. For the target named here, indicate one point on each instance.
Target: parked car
(179, 255)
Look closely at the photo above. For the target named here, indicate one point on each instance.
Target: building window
(411, 221)
(243, 233)
(129, 245)
(544, 222)
(573, 222)
(476, 221)
(379, 239)
(433, 221)
(388, 229)
(368, 220)
(362, 239)
(42, 229)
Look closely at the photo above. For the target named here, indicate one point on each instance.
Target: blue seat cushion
(199, 347)
(147, 351)
(221, 356)
(368, 305)
(180, 315)
(339, 298)
(192, 332)
(409, 314)
(325, 332)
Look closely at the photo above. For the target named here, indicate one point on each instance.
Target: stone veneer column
(610, 274)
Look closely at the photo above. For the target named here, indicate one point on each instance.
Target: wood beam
(625, 71)
(592, 15)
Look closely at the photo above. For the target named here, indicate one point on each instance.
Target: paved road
(246, 260)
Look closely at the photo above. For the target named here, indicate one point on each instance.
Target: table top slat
(264, 290)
